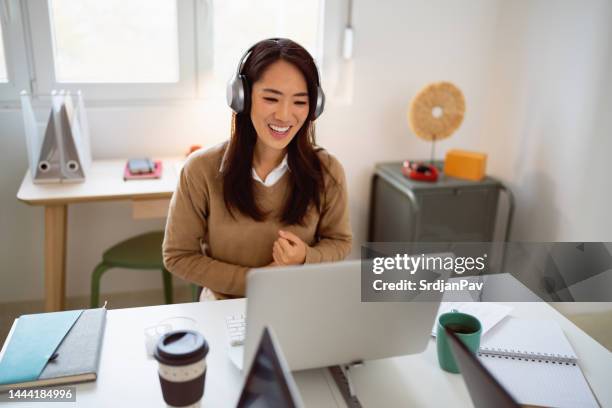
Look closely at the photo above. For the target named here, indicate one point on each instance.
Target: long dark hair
(306, 170)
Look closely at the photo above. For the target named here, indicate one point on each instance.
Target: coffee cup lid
(181, 347)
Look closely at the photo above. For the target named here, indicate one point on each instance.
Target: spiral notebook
(535, 362)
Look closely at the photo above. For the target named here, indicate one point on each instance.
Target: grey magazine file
(60, 152)
(49, 167)
(72, 170)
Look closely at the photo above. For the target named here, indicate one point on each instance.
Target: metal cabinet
(448, 210)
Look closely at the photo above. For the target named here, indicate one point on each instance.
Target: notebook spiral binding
(522, 355)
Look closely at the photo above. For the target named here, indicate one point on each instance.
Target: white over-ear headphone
(238, 87)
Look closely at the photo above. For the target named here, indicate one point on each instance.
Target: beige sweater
(205, 245)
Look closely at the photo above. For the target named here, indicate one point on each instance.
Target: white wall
(547, 128)
(493, 50)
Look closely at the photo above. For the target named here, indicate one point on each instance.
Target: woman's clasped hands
(288, 249)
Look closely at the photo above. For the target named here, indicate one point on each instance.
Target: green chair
(140, 252)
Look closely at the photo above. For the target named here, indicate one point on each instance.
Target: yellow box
(465, 165)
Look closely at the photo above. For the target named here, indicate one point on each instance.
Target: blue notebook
(53, 348)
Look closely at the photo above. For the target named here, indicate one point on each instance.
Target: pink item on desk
(155, 174)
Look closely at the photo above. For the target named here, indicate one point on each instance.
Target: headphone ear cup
(320, 103)
(246, 95)
(235, 93)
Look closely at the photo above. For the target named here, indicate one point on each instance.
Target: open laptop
(269, 382)
(484, 389)
(318, 317)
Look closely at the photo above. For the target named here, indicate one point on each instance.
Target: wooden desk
(104, 182)
(405, 381)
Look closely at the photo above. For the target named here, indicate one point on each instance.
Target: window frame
(44, 80)
(17, 66)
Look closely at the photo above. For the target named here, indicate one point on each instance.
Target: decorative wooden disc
(437, 111)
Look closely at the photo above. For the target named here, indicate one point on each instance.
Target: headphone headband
(248, 52)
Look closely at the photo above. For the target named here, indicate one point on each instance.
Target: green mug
(466, 327)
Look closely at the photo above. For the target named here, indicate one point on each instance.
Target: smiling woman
(269, 196)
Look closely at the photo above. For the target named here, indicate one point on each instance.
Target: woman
(268, 196)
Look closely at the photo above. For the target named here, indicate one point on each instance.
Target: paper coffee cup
(182, 367)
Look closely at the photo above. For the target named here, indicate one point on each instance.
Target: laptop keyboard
(236, 329)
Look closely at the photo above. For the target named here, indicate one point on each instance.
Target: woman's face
(279, 105)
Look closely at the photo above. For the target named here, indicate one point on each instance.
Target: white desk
(104, 182)
(128, 378)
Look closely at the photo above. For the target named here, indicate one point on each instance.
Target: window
(113, 49)
(297, 19)
(115, 41)
(235, 25)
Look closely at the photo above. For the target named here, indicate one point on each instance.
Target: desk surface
(413, 380)
(103, 182)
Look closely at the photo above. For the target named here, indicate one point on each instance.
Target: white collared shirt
(274, 175)
(272, 178)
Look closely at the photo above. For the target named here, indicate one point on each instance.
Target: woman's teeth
(279, 129)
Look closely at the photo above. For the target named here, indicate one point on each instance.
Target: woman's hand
(289, 249)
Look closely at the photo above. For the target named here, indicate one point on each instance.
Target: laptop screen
(269, 383)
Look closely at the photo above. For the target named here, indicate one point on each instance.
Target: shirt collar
(278, 170)
(274, 175)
